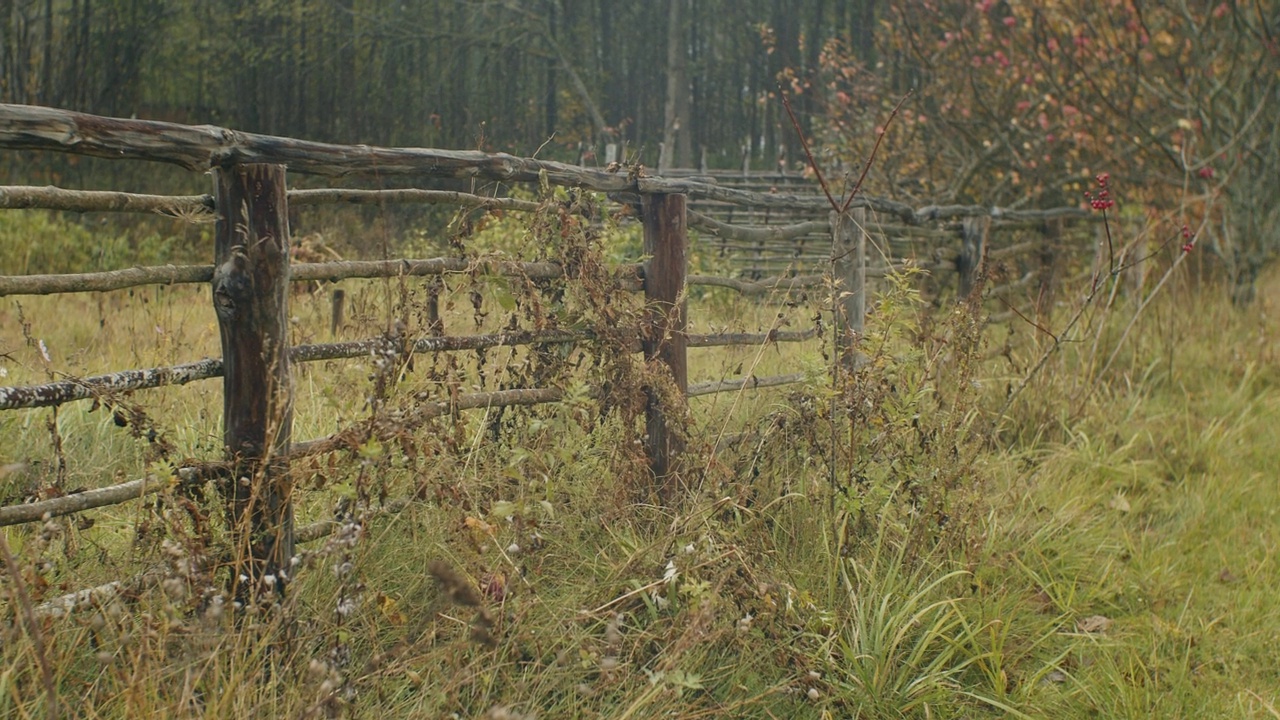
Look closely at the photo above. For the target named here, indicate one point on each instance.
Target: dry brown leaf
(1094, 624)
(1120, 503)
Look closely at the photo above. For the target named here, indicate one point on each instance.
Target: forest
(1002, 102)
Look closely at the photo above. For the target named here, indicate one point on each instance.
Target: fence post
(666, 241)
(339, 298)
(250, 297)
(973, 238)
(1048, 256)
(849, 266)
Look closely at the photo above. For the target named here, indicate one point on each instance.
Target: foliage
(36, 243)
(1015, 103)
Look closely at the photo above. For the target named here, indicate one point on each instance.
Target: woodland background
(1008, 103)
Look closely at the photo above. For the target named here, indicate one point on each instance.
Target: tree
(1024, 103)
(677, 150)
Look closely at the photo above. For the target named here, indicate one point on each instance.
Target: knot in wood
(224, 305)
(232, 285)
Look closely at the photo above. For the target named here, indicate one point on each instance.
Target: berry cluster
(1189, 242)
(1102, 200)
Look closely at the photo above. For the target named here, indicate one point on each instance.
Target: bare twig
(1027, 320)
(867, 166)
(804, 143)
(33, 627)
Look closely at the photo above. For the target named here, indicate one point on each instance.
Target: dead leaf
(494, 585)
(1043, 601)
(1226, 576)
(1120, 503)
(387, 605)
(1054, 676)
(1094, 624)
(479, 525)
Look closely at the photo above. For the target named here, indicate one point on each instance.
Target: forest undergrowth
(886, 543)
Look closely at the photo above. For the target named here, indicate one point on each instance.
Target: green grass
(1109, 552)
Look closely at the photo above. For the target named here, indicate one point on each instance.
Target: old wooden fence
(251, 271)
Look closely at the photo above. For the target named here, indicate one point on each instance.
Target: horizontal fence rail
(205, 147)
(349, 439)
(794, 243)
(109, 280)
(101, 386)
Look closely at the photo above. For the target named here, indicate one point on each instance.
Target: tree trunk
(677, 150)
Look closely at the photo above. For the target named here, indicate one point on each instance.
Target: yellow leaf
(478, 524)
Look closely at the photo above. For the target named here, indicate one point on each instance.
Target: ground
(1107, 549)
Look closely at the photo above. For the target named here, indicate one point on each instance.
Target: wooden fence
(251, 271)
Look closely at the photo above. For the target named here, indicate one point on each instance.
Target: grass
(1110, 552)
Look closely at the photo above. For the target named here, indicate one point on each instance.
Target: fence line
(109, 280)
(251, 270)
(347, 439)
(98, 386)
(26, 197)
(206, 147)
(54, 198)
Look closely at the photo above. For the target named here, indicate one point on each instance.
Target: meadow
(1105, 548)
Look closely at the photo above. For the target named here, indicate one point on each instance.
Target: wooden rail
(348, 439)
(205, 147)
(251, 269)
(103, 386)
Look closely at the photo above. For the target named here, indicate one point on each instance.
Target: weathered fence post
(250, 296)
(1048, 256)
(339, 298)
(973, 240)
(1133, 260)
(849, 267)
(666, 240)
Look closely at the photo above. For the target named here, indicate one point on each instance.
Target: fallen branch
(766, 233)
(96, 597)
(79, 502)
(747, 383)
(758, 287)
(728, 339)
